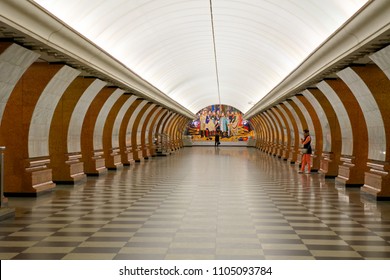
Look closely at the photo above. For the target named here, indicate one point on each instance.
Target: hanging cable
(215, 52)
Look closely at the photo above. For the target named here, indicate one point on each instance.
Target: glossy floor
(200, 203)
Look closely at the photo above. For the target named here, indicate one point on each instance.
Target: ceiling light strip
(215, 51)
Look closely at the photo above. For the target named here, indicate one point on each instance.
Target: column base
(36, 179)
(153, 149)
(275, 151)
(127, 157)
(349, 173)
(329, 166)
(71, 171)
(285, 154)
(138, 155)
(315, 162)
(113, 161)
(279, 151)
(271, 150)
(293, 156)
(96, 165)
(146, 153)
(377, 181)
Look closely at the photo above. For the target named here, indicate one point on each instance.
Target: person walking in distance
(306, 152)
(216, 143)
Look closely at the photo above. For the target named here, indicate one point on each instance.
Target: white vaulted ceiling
(169, 43)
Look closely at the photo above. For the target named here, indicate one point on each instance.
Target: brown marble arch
(112, 154)
(94, 162)
(136, 147)
(304, 125)
(180, 130)
(164, 129)
(377, 178)
(171, 125)
(176, 132)
(253, 122)
(271, 134)
(126, 150)
(153, 131)
(25, 176)
(160, 126)
(145, 144)
(67, 168)
(330, 160)
(15, 115)
(352, 168)
(275, 146)
(259, 132)
(318, 148)
(266, 137)
(294, 149)
(183, 126)
(279, 128)
(281, 118)
(262, 133)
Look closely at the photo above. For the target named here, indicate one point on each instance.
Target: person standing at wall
(306, 152)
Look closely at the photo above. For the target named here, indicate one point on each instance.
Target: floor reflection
(200, 203)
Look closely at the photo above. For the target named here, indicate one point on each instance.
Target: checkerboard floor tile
(200, 203)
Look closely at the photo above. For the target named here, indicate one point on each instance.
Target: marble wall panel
(326, 132)
(160, 128)
(261, 131)
(257, 130)
(382, 59)
(78, 115)
(141, 123)
(172, 129)
(283, 127)
(159, 124)
(342, 115)
(276, 128)
(14, 61)
(264, 129)
(291, 128)
(308, 119)
(149, 129)
(118, 120)
(297, 120)
(129, 128)
(270, 127)
(168, 128)
(101, 119)
(371, 112)
(160, 118)
(38, 139)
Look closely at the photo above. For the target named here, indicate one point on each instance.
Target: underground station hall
(195, 130)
